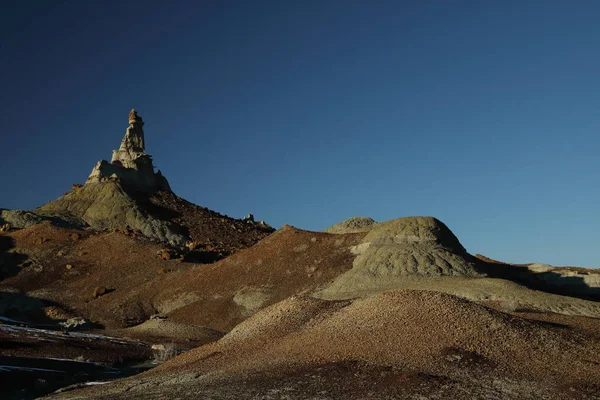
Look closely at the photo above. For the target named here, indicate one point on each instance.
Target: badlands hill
(304, 311)
(126, 194)
(399, 344)
(395, 309)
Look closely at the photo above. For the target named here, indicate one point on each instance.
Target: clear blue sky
(484, 114)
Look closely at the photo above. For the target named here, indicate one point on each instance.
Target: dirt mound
(163, 330)
(352, 225)
(420, 344)
(499, 293)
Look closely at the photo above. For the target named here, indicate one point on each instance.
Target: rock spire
(130, 164)
(133, 145)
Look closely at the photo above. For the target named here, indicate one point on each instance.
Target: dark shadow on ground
(30, 378)
(26, 309)
(9, 260)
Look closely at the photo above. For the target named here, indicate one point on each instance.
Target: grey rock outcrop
(352, 225)
(401, 248)
(21, 219)
(109, 198)
(106, 206)
(130, 164)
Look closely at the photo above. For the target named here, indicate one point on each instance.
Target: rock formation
(130, 164)
(126, 194)
(352, 225)
(405, 247)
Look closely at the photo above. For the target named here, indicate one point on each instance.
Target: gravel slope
(401, 344)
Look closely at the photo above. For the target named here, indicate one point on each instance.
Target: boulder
(99, 291)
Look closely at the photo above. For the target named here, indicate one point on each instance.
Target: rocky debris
(99, 291)
(130, 165)
(75, 323)
(248, 218)
(262, 225)
(352, 225)
(5, 228)
(68, 266)
(170, 254)
(164, 352)
(209, 231)
(57, 313)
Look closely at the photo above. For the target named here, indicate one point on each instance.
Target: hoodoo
(130, 163)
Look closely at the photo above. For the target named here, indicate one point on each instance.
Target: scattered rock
(56, 313)
(68, 266)
(99, 291)
(75, 236)
(165, 254)
(5, 228)
(74, 323)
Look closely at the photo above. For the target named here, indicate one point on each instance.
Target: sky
(484, 114)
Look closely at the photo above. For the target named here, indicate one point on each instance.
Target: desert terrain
(121, 289)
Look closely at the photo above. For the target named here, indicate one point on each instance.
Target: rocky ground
(399, 344)
(396, 310)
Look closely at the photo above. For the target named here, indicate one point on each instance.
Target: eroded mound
(161, 216)
(441, 338)
(352, 225)
(418, 230)
(411, 246)
(107, 206)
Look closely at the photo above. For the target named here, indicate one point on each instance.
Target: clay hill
(365, 309)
